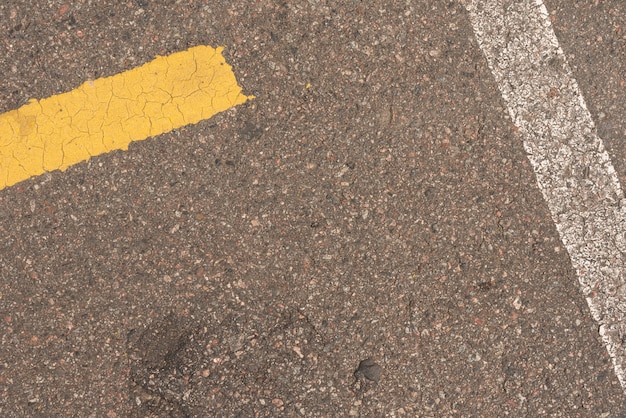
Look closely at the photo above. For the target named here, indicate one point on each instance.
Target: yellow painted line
(109, 113)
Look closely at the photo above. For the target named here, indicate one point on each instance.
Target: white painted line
(573, 169)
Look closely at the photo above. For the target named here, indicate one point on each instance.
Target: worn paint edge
(109, 113)
(573, 169)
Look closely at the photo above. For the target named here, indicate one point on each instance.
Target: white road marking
(573, 169)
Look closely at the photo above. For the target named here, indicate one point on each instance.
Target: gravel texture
(373, 203)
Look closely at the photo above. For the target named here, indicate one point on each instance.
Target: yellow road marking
(109, 113)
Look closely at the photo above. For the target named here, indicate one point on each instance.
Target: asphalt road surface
(366, 237)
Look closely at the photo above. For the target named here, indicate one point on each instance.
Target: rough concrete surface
(373, 203)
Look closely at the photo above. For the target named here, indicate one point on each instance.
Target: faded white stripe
(573, 169)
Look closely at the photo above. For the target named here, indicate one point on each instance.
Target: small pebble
(369, 369)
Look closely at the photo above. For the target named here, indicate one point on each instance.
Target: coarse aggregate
(373, 202)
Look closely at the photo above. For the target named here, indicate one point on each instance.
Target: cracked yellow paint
(109, 113)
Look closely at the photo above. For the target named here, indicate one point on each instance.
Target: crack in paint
(573, 169)
(109, 113)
